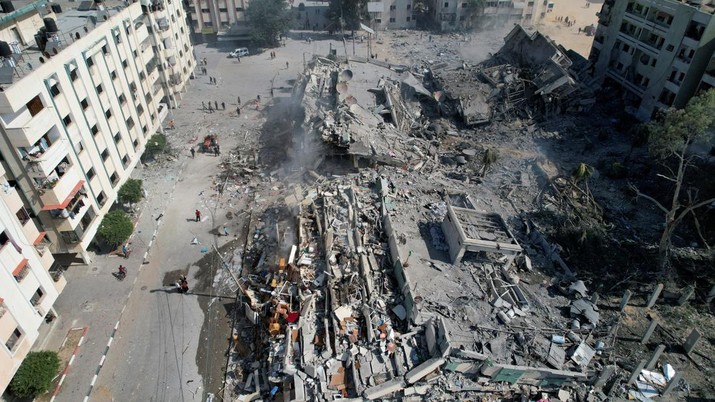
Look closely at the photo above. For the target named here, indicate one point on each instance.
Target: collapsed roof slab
(470, 230)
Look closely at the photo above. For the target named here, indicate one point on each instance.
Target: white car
(240, 52)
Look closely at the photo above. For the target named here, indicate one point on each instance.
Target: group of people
(213, 106)
(567, 21)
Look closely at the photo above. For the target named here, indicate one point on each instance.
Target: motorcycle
(121, 273)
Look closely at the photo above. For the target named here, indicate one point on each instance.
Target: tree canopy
(670, 138)
(116, 227)
(131, 192)
(347, 14)
(35, 374)
(268, 19)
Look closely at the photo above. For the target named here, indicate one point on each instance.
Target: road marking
(94, 379)
(74, 354)
(109, 343)
(116, 325)
(101, 361)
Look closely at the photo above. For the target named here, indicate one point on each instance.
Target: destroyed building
(400, 282)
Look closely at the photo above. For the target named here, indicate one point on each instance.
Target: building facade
(75, 117)
(310, 15)
(27, 289)
(215, 16)
(450, 15)
(657, 51)
(391, 14)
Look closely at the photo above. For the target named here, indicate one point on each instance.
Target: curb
(67, 368)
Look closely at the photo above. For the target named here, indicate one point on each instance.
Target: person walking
(198, 215)
(225, 230)
(223, 106)
(210, 109)
(193, 153)
(215, 105)
(238, 111)
(203, 105)
(286, 65)
(216, 151)
(238, 100)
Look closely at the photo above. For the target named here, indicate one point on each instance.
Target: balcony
(59, 193)
(26, 129)
(69, 217)
(12, 258)
(42, 160)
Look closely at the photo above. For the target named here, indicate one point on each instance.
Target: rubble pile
(401, 280)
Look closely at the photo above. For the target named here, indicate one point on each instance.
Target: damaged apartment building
(395, 282)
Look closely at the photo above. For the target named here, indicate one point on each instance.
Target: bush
(131, 192)
(116, 227)
(155, 145)
(34, 377)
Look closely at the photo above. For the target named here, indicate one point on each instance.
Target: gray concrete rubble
(396, 279)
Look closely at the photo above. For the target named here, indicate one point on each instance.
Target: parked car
(240, 52)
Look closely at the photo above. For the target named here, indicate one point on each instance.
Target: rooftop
(73, 22)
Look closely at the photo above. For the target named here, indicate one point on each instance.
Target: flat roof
(70, 22)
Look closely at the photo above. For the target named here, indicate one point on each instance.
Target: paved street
(143, 337)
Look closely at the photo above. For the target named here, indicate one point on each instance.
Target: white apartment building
(659, 52)
(391, 14)
(456, 14)
(27, 289)
(75, 117)
(214, 16)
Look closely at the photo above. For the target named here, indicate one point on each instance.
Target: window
(108, 113)
(464, 5)
(90, 173)
(125, 64)
(122, 99)
(37, 297)
(101, 199)
(95, 130)
(70, 237)
(3, 239)
(125, 160)
(73, 75)
(221, 9)
(446, 4)
(140, 110)
(105, 50)
(13, 339)
(392, 8)
(130, 123)
(135, 144)
(90, 62)
(409, 6)
(54, 90)
(67, 120)
(113, 75)
(22, 216)
(84, 104)
(35, 105)
(392, 20)
(117, 137)
(114, 178)
(99, 89)
(408, 19)
(105, 154)
(378, 20)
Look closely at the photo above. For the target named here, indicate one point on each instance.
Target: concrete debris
(392, 279)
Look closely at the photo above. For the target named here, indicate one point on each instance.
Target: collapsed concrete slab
(384, 389)
(423, 369)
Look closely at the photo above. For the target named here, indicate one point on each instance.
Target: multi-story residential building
(657, 51)
(76, 115)
(391, 14)
(310, 15)
(452, 15)
(27, 289)
(216, 16)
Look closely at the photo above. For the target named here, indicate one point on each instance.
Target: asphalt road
(143, 337)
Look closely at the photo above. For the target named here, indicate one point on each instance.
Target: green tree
(116, 227)
(346, 15)
(268, 19)
(155, 145)
(669, 141)
(131, 192)
(34, 377)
